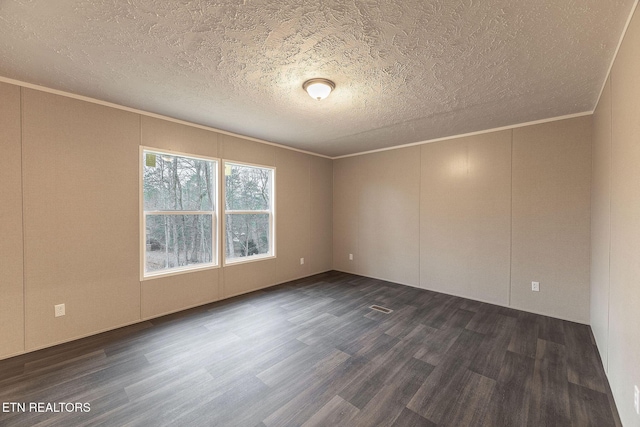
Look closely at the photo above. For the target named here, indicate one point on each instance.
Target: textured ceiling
(405, 71)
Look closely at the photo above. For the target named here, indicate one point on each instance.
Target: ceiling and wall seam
(149, 114)
(183, 122)
(480, 132)
(615, 54)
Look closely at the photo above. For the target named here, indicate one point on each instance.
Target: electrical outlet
(350, 257)
(535, 286)
(301, 261)
(59, 310)
(636, 399)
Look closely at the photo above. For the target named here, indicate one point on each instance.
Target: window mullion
(244, 212)
(179, 212)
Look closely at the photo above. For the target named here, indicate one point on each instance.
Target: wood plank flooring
(312, 353)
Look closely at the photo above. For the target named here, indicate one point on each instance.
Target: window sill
(178, 271)
(244, 260)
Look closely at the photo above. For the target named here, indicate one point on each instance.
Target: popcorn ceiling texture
(405, 71)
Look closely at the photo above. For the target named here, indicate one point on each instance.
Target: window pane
(247, 235)
(177, 183)
(177, 241)
(247, 188)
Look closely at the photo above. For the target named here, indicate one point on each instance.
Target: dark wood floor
(311, 353)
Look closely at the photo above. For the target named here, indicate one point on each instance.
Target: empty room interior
(341, 213)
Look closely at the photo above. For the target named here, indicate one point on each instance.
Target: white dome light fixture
(318, 88)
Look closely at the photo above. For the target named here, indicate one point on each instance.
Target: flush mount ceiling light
(318, 88)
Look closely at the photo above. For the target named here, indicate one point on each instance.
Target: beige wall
(388, 233)
(321, 217)
(619, 339)
(465, 208)
(550, 218)
(81, 226)
(293, 214)
(479, 217)
(246, 277)
(376, 215)
(11, 287)
(346, 187)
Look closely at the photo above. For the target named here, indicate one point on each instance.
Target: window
(179, 215)
(248, 212)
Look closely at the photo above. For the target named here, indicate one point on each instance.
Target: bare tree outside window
(179, 211)
(248, 211)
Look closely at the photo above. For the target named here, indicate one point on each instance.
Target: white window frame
(215, 226)
(271, 212)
